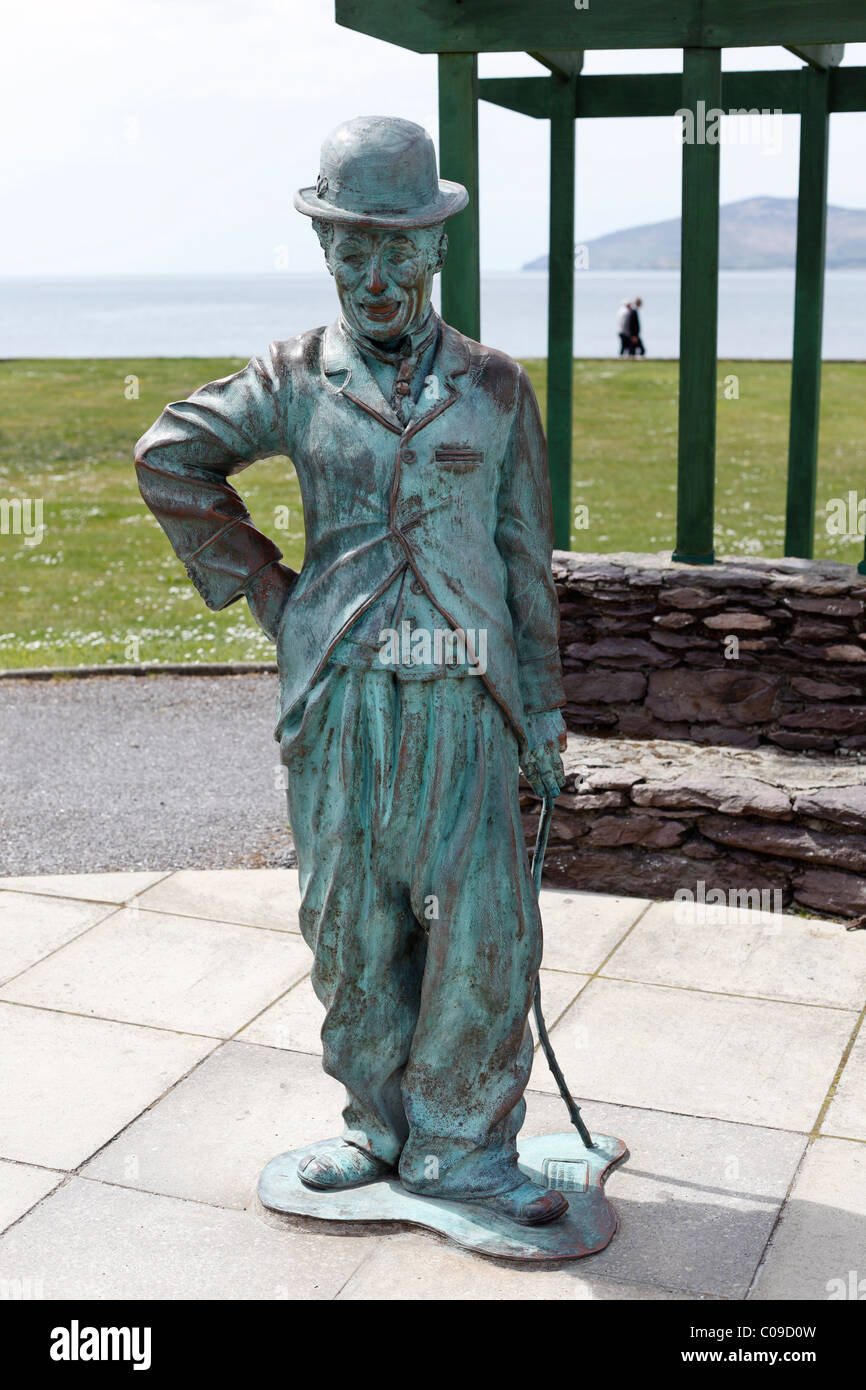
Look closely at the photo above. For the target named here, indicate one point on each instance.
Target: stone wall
(657, 817)
(718, 731)
(648, 652)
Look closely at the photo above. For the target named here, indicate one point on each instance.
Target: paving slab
(709, 1049)
(293, 1023)
(166, 971)
(752, 1060)
(775, 956)
(696, 1210)
(581, 929)
(819, 1248)
(559, 989)
(696, 1200)
(92, 1241)
(32, 926)
(70, 1083)
(211, 1136)
(96, 888)
(846, 1114)
(412, 1267)
(21, 1187)
(250, 897)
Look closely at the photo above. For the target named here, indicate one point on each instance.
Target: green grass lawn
(103, 585)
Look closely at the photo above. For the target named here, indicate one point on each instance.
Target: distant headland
(754, 234)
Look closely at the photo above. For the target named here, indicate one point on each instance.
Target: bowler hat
(380, 171)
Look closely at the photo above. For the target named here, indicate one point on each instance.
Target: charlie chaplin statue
(419, 667)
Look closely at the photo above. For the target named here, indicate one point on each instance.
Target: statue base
(552, 1160)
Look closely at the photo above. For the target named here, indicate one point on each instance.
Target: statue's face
(384, 276)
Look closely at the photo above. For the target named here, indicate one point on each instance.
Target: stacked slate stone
(691, 770)
(742, 652)
(651, 819)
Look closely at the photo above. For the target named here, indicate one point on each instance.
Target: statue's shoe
(528, 1204)
(340, 1165)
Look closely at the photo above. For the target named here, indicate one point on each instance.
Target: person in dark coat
(635, 344)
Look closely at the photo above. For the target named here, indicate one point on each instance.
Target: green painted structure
(557, 33)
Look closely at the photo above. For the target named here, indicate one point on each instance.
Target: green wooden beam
(771, 90)
(560, 307)
(848, 89)
(458, 159)
(808, 315)
(503, 26)
(630, 94)
(699, 299)
(660, 94)
(530, 96)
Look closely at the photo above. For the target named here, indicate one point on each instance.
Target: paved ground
(163, 1036)
(106, 769)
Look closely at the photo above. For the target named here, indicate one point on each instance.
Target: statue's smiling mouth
(382, 310)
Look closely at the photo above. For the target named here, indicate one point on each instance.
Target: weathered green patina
(586, 1227)
(419, 665)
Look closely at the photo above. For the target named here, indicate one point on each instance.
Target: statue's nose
(375, 283)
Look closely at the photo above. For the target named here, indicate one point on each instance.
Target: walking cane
(537, 866)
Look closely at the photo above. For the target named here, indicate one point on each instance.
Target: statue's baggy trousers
(418, 905)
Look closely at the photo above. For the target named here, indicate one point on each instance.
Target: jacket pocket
(457, 459)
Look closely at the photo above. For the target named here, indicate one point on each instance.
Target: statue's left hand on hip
(267, 594)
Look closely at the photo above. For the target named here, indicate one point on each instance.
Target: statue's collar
(339, 352)
(413, 344)
(340, 355)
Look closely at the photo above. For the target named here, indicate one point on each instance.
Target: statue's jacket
(460, 495)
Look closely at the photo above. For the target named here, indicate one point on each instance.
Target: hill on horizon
(754, 234)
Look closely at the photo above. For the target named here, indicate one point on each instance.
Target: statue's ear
(440, 253)
(325, 232)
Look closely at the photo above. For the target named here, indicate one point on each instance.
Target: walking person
(636, 347)
(623, 319)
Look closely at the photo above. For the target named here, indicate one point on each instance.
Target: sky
(167, 136)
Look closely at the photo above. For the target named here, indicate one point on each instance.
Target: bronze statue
(419, 666)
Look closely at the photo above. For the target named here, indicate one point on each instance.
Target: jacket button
(408, 455)
(416, 587)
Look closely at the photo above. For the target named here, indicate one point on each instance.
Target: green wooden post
(808, 313)
(699, 302)
(458, 159)
(560, 305)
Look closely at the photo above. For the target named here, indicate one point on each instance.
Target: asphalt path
(140, 772)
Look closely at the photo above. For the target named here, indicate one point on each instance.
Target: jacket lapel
(442, 388)
(341, 357)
